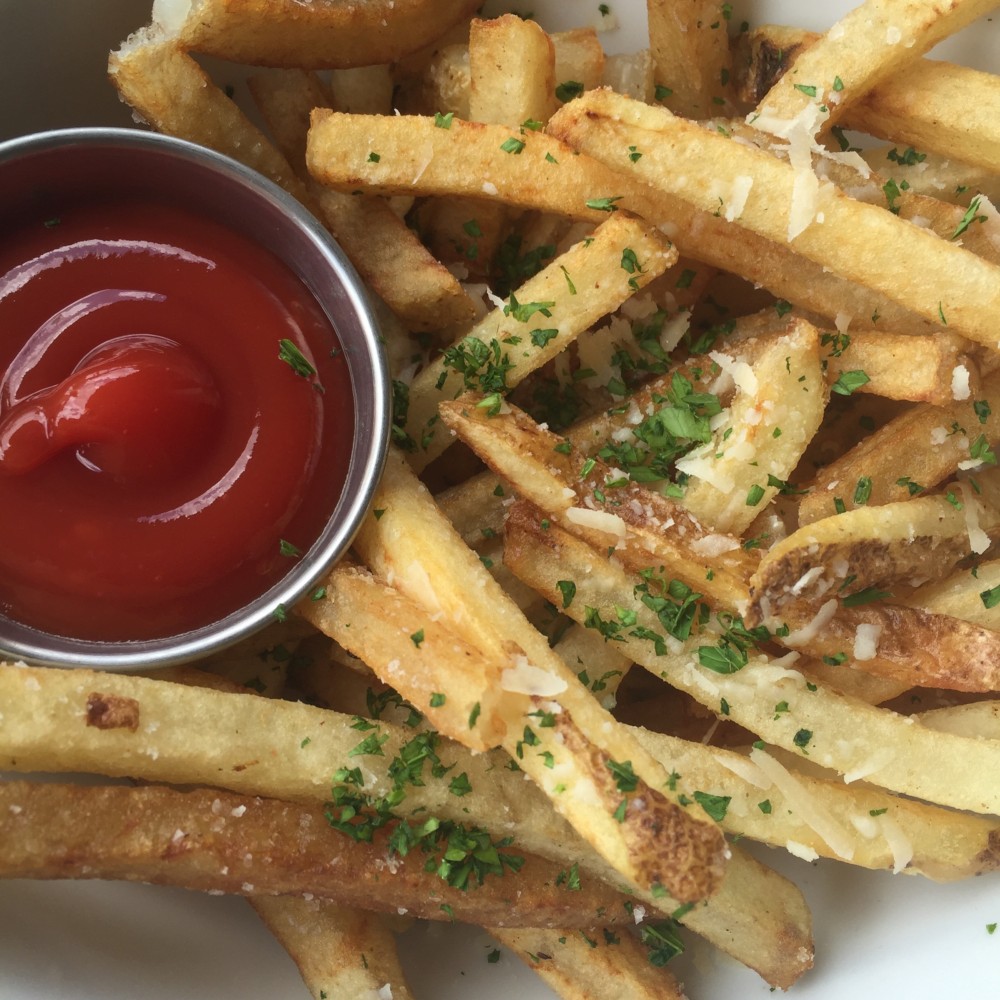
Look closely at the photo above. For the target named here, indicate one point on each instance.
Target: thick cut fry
(386, 252)
(921, 368)
(773, 801)
(415, 157)
(777, 409)
(171, 92)
(605, 966)
(539, 319)
(511, 72)
(914, 452)
(320, 35)
(977, 720)
(645, 530)
(690, 49)
(868, 45)
(563, 483)
(929, 105)
(366, 617)
(213, 841)
(773, 701)
(967, 594)
(580, 58)
(859, 242)
(340, 952)
(876, 547)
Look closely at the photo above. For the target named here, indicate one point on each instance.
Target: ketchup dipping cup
(194, 406)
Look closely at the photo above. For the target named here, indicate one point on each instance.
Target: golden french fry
(604, 965)
(969, 594)
(339, 951)
(875, 547)
(868, 45)
(857, 241)
(171, 92)
(535, 324)
(778, 408)
(511, 71)
(311, 36)
(386, 252)
(927, 106)
(690, 48)
(214, 841)
(916, 451)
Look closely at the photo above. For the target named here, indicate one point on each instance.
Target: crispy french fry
(312, 36)
(365, 617)
(777, 409)
(604, 966)
(556, 731)
(511, 72)
(540, 318)
(875, 547)
(691, 57)
(386, 252)
(914, 452)
(339, 951)
(580, 59)
(921, 368)
(928, 106)
(977, 720)
(865, 47)
(859, 242)
(414, 157)
(213, 841)
(772, 801)
(171, 92)
(966, 594)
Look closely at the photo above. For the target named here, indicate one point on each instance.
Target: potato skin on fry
(218, 842)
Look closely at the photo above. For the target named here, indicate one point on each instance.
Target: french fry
(580, 59)
(751, 187)
(977, 720)
(339, 951)
(865, 47)
(511, 71)
(928, 105)
(773, 801)
(777, 410)
(603, 966)
(644, 530)
(365, 617)
(690, 48)
(875, 547)
(171, 92)
(966, 594)
(914, 452)
(773, 701)
(313, 36)
(251, 846)
(540, 318)
(920, 368)
(558, 734)
(386, 252)
(415, 157)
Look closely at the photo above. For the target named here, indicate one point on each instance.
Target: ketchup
(176, 420)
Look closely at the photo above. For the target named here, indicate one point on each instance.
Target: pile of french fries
(683, 381)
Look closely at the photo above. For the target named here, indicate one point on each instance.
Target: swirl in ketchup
(176, 420)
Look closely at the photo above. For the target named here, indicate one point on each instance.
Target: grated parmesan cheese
(809, 631)
(523, 677)
(866, 639)
(600, 520)
(960, 382)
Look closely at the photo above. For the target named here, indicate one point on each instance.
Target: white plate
(877, 935)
